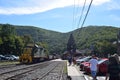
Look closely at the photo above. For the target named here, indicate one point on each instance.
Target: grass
(8, 62)
(65, 68)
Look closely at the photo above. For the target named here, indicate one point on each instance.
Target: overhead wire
(87, 13)
(80, 29)
(81, 13)
(75, 12)
(73, 22)
(85, 16)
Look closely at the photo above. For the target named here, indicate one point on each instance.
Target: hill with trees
(101, 37)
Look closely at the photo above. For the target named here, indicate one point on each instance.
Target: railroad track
(10, 66)
(7, 66)
(56, 73)
(10, 74)
(45, 70)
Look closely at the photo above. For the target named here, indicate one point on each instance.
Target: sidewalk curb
(85, 77)
(82, 75)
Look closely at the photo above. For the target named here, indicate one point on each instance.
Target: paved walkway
(74, 73)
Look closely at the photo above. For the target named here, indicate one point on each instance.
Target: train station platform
(74, 73)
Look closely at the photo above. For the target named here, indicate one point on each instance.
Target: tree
(9, 42)
(19, 45)
(1, 41)
(7, 30)
(105, 47)
(44, 45)
(71, 44)
(118, 43)
(27, 39)
(7, 39)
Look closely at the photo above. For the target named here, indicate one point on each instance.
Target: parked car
(82, 65)
(15, 57)
(102, 66)
(11, 57)
(79, 61)
(2, 57)
(85, 64)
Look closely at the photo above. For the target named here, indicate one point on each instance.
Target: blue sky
(59, 15)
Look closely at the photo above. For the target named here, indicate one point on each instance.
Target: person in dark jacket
(70, 60)
(117, 58)
(113, 69)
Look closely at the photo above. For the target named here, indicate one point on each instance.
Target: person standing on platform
(70, 60)
(113, 69)
(93, 66)
(117, 58)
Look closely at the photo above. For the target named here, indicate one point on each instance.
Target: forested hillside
(56, 41)
(101, 37)
(93, 34)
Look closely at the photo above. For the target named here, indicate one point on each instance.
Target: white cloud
(36, 6)
(100, 2)
(114, 5)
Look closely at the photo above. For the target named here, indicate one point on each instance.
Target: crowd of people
(113, 72)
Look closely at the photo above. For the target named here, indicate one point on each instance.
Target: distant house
(77, 53)
(86, 51)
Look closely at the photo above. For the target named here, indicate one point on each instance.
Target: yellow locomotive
(33, 54)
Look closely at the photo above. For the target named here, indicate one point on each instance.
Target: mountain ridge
(57, 41)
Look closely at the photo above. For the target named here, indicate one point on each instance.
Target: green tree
(44, 45)
(9, 42)
(19, 45)
(105, 47)
(1, 41)
(7, 39)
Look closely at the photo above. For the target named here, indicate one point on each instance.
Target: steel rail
(24, 70)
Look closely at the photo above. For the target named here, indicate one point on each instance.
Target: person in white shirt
(93, 67)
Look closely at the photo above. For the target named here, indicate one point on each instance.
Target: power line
(87, 13)
(85, 16)
(75, 11)
(84, 19)
(81, 14)
(73, 15)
